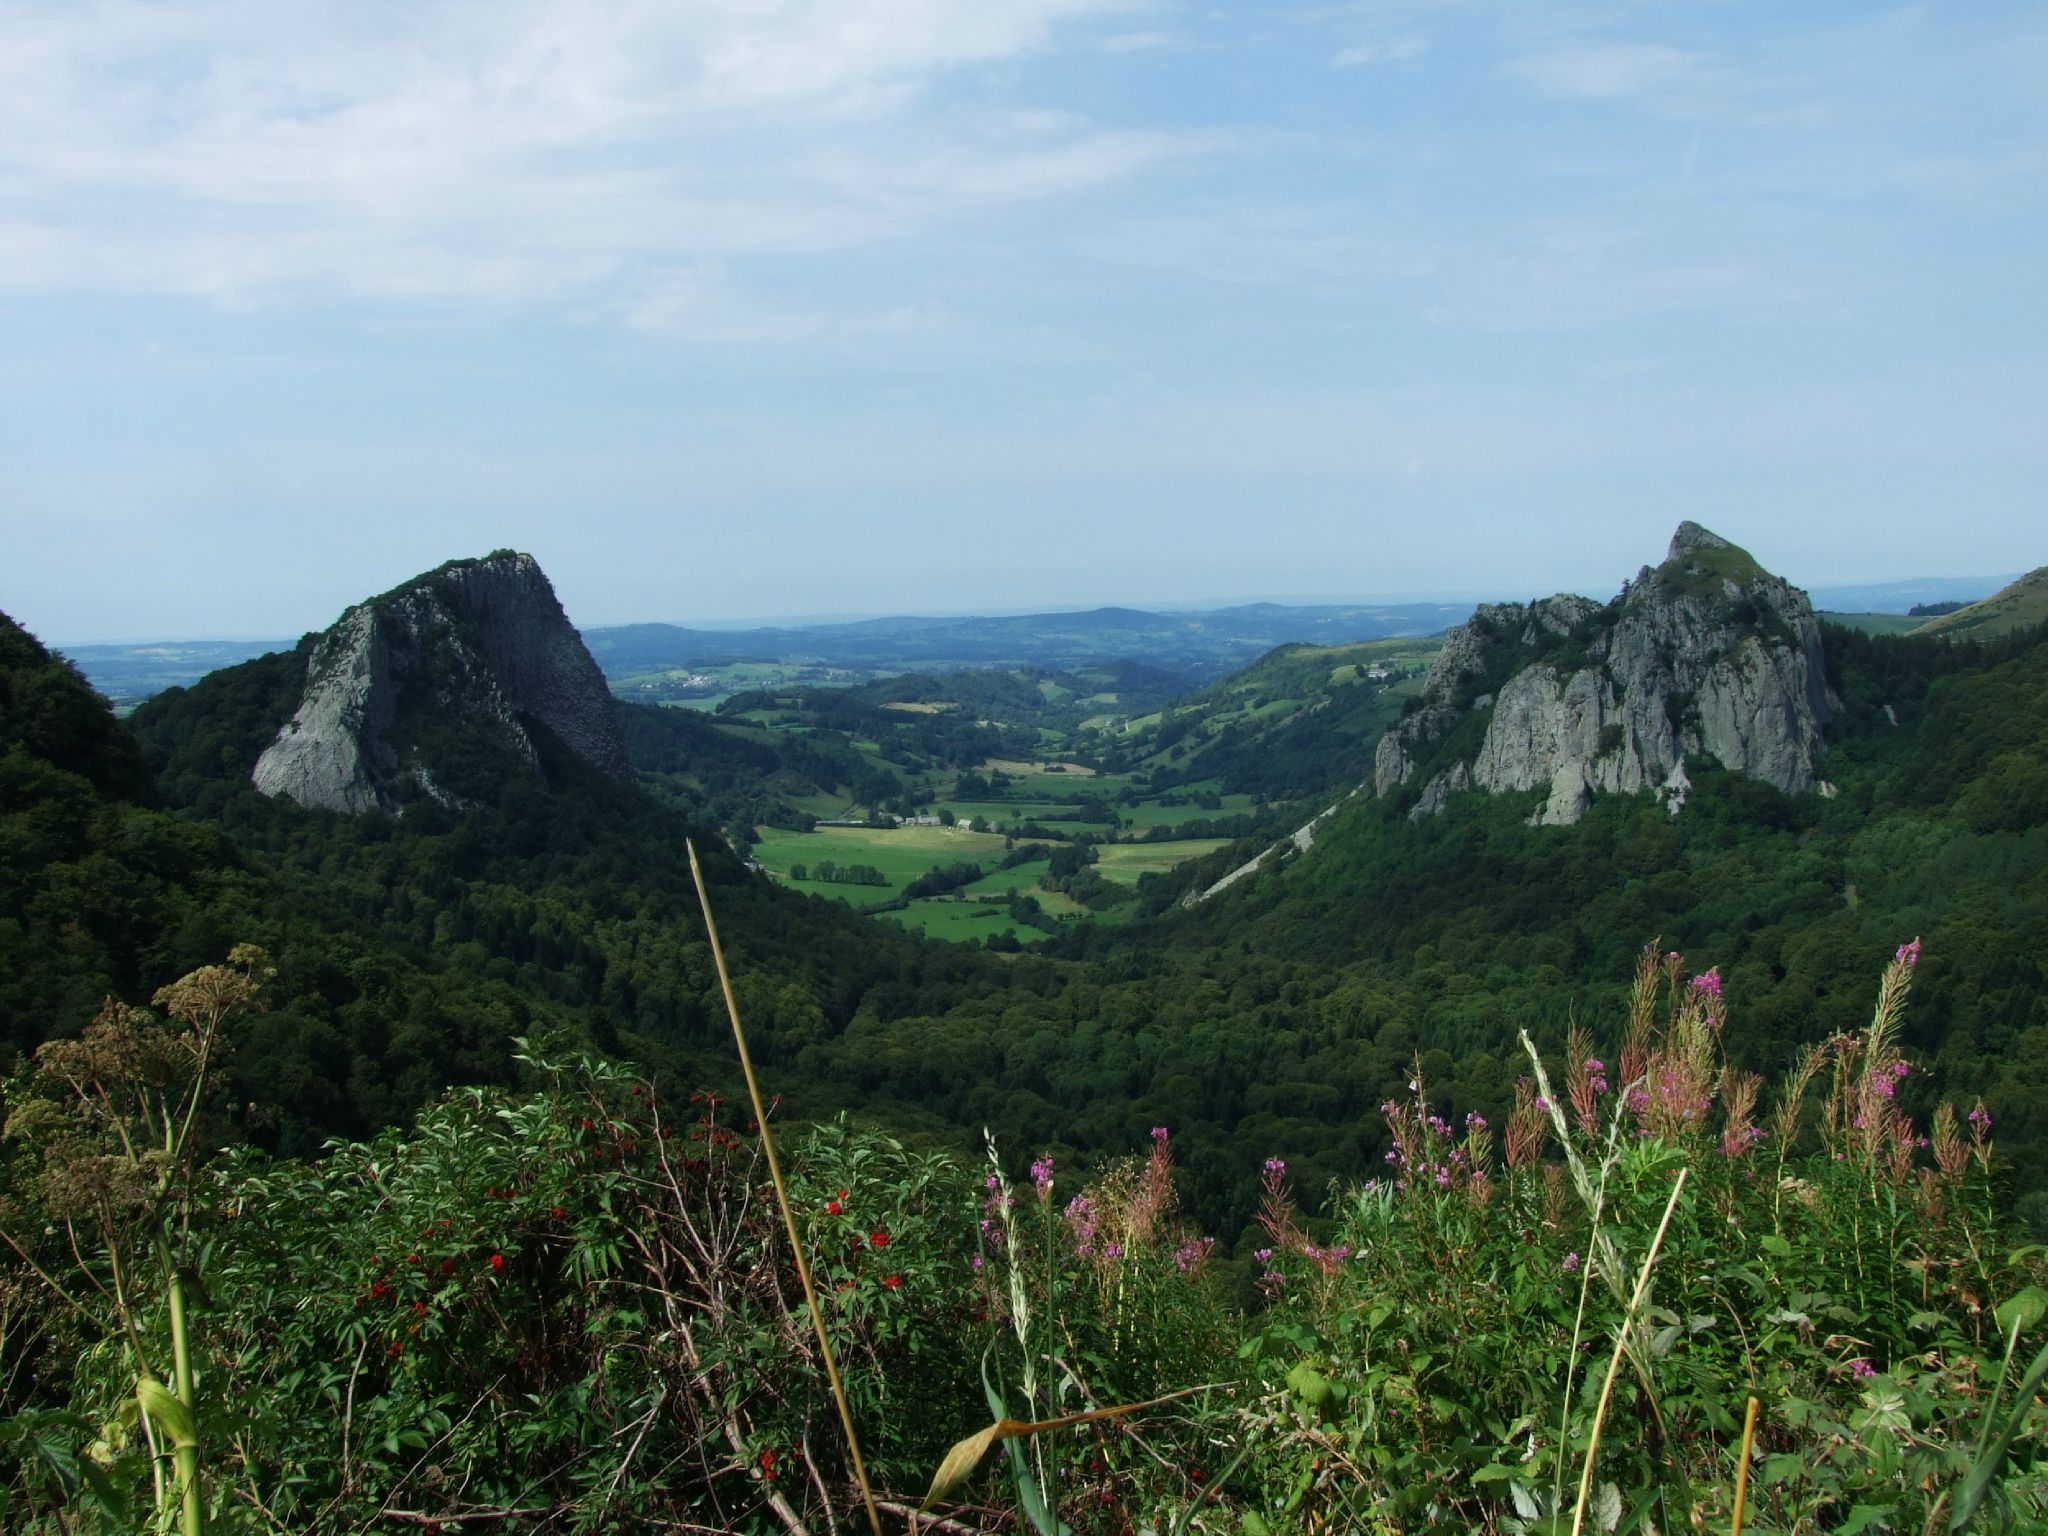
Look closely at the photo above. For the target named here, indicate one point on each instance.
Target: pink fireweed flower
(1276, 1166)
(1571, 1263)
(1708, 982)
(1191, 1253)
(1862, 1370)
(1910, 953)
(1041, 1175)
(1159, 1133)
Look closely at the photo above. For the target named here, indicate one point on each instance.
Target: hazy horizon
(1990, 583)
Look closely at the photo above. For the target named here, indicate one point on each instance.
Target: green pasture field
(957, 920)
(1124, 862)
(1024, 773)
(1019, 877)
(1877, 623)
(1149, 813)
(901, 854)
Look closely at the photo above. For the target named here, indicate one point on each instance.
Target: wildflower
(498, 1262)
(556, 1212)
(1708, 982)
(833, 1207)
(1263, 1255)
(1980, 1120)
(1159, 1133)
(768, 1466)
(1571, 1263)
(1276, 1166)
(977, 1261)
(842, 1194)
(1475, 1121)
(1862, 1370)
(1910, 953)
(879, 1239)
(1041, 1175)
(893, 1282)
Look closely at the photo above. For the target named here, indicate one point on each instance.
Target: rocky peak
(1704, 655)
(437, 682)
(1691, 536)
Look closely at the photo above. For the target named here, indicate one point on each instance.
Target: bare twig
(928, 1522)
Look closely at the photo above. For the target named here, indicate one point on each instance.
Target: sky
(733, 308)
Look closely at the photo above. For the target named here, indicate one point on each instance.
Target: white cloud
(1393, 51)
(251, 150)
(1608, 71)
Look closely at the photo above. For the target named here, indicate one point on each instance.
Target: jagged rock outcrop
(1707, 654)
(455, 662)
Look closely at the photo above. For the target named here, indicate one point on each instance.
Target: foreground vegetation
(569, 1306)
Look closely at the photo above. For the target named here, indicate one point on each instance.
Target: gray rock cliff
(466, 655)
(1705, 655)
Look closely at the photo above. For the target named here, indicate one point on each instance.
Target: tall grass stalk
(1628, 1323)
(796, 1244)
(1742, 1465)
(1600, 1249)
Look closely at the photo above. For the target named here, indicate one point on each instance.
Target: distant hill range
(1904, 596)
(1200, 646)
(2022, 603)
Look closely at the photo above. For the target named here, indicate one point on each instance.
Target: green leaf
(1776, 1246)
(2021, 1311)
(167, 1413)
(1309, 1387)
(1782, 1469)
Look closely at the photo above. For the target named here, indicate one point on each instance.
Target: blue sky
(765, 307)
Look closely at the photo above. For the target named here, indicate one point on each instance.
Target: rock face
(415, 688)
(1707, 654)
